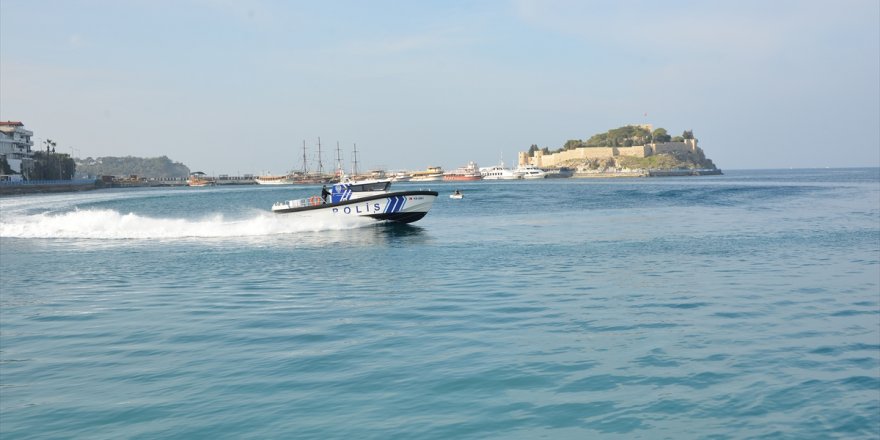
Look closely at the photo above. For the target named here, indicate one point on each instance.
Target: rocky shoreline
(604, 174)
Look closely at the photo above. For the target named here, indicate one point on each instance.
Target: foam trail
(64, 201)
(110, 224)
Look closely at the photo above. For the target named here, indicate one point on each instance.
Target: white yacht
(531, 172)
(498, 172)
(401, 176)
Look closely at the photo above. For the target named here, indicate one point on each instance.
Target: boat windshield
(371, 186)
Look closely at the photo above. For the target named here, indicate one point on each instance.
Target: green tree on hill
(153, 167)
(534, 148)
(625, 136)
(660, 135)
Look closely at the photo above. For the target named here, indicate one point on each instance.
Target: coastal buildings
(15, 148)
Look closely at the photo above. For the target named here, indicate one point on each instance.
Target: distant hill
(150, 167)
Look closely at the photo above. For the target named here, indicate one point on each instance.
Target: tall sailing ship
(298, 177)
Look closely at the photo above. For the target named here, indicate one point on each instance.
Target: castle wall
(634, 151)
(542, 160)
(669, 147)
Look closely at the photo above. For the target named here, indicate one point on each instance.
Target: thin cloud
(405, 44)
(75, 41)
(740, 30)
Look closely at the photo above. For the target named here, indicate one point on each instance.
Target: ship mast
(354, 166)
(305, 159)
(339, 170)
(320, 162)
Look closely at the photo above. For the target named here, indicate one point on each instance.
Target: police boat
(367, 198)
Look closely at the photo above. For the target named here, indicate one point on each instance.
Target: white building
(15, 147)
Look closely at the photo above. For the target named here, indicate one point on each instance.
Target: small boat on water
(456, 195)
(368, 198)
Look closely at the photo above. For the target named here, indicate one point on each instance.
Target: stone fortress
(583, 154)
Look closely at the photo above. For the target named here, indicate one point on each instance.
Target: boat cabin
(353, 190)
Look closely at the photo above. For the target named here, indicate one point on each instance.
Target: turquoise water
(726, 307)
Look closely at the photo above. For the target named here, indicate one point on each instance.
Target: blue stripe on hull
(395, 204)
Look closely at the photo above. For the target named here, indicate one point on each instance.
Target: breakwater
(47, 186)
(55, 186)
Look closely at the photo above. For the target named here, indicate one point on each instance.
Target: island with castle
(628, 151)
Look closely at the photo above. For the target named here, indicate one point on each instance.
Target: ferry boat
(432, 174)
(498, 172)
(530, 172)
(467, 173)
(369, 198)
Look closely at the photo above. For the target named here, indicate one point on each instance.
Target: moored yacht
(269, 179)
(499, 172)
(529, 171)
(432, 174)
(199, 178)
(401, 176)
(557, 173)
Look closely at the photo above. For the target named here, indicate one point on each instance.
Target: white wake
(110, 224)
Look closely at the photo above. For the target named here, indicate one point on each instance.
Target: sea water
(737, 306)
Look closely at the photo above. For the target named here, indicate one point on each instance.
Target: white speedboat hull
(400, 206)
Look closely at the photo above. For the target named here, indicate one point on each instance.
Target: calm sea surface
(728, 307)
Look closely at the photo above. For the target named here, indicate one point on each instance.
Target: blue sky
(236, 86)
